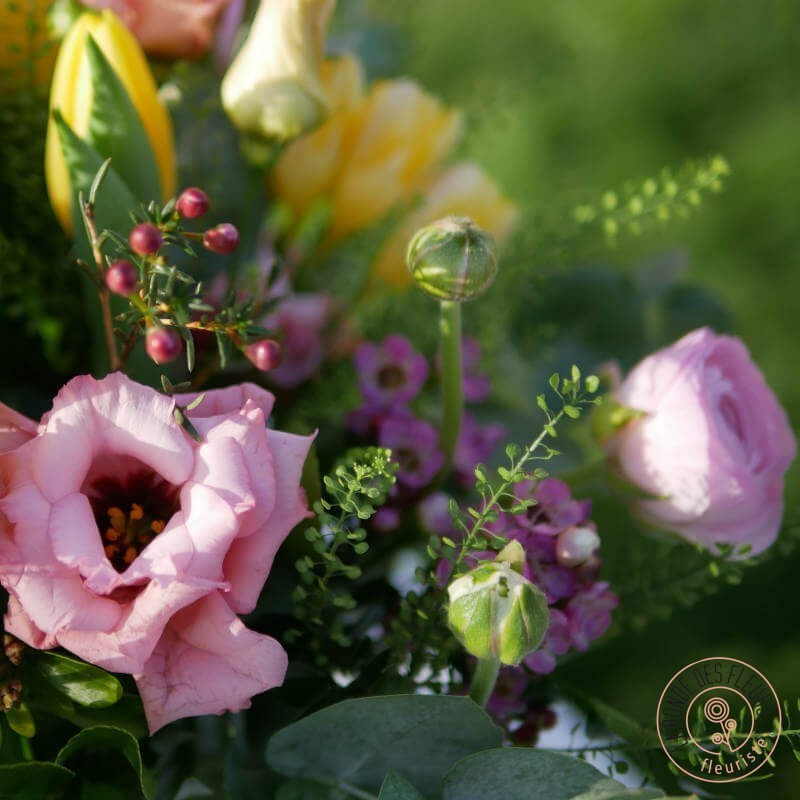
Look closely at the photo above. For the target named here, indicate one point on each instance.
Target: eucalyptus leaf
(304, 790)
(421, 736)
(520, 773)
(103, 738)
(82, 683)
(33, 780)
(117, 132)
(396, 787)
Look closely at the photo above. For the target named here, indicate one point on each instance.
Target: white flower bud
(273, 88)
(495, 612)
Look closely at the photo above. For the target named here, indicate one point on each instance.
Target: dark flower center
(132, 504)
(391, 376)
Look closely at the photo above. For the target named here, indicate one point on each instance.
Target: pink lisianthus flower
(174, 29)
(130, 544)
(712, 444)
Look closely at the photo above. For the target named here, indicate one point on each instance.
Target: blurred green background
(567, 99)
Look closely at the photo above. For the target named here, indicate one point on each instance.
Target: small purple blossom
(474, 446)
(415, 446)
(386, 519)
(475, 385)
(390, 373)
(589, 614)
(300, 319)
(507, 699)
(434, 515)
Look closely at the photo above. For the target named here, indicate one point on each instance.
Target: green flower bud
(453, 259)
(495, 612)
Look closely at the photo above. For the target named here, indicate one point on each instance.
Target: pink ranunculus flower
(130, 544)
(712, 445)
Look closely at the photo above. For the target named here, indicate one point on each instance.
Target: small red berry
(265, 354)
(192, 203)
(145, 239)
(163, 344)
(122, 278)
(223, 239)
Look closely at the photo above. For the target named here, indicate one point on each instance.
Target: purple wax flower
(390, 373)
(300, 319)
(589, 614)
(474, 446)
(415, 446)
(556, 643)
(475, 385)
(507, 699)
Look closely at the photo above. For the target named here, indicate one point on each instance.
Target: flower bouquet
(328, 469)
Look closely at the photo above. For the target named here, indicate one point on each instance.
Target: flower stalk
(452, 391)
(484, 679)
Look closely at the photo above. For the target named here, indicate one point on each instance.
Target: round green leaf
(34, 780)
(359, 741)
(520, 773)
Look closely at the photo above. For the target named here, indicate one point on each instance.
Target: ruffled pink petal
(76, 541)
(19, 624)
(127, 646)
(207, 662)
(15, 429)
(113, 415)
(192, 547)
(228, 401)
(249, 559)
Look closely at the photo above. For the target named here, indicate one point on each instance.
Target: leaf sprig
(655, 200)
(356, 488)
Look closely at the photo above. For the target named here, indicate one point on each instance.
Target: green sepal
(117, 132)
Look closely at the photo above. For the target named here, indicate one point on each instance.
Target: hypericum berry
(192, 203)
(223, 239)
(122, 278)
(264, 354)
(145, 239)
(163, 344)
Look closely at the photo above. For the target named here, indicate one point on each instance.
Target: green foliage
(516, 773)
(396, 787)
(39, 295)
(420, 627)
(655, 200)
(355, 488)
(34, 780)
(356, 742)
(82, 683)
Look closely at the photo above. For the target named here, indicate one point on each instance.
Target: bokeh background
(568, 99)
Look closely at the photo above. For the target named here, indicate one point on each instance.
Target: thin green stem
(483, 680)
(452, 394)
(502, 488)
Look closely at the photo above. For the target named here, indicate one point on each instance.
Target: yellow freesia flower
(25, 58)
(374, 151)
(71, 94)
(273, 89)
(465, 190)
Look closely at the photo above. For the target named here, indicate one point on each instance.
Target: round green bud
(453, 259)
(495, 612)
